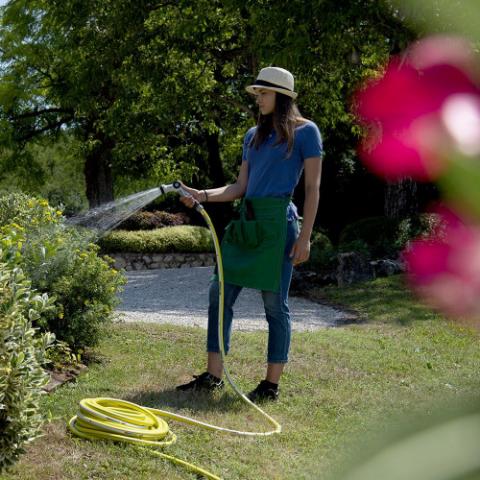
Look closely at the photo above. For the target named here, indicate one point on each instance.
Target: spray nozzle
(177, 187)
(174, 187)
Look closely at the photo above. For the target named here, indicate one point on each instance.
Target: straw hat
(276, 79)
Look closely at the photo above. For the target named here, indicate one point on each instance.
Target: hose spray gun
(177, 187)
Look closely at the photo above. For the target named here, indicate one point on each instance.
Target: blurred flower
(422, 110)
(444, 268)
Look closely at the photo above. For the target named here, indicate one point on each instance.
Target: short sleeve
(246, 143)
(311, 141)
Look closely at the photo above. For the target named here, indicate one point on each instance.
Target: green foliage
(383, 236)
(64, 181)
(22, 354)
(184, 238)
(459, 17)
(138, 84)
(62, 262)
(322, 253)
(60, 357)
(57, 176)
(419, 226)
(358, 246)
(86, 297)
(158, 90)
(379, 233)
(27, 212)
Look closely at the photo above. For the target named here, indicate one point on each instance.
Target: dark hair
(284, 118)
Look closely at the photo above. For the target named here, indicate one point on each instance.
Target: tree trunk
(98, 175)
(215, 167)
(220, 212)
(401, 199)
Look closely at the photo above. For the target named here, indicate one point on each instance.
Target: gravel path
(180, 296)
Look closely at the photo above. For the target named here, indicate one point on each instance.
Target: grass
(341, 385)
(386, 300)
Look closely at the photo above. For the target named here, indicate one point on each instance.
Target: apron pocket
(268, 231)
(251, 233)
(244, 233)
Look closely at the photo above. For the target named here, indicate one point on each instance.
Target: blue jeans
(276, 309)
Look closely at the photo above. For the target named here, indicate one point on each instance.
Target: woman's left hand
(301, 251)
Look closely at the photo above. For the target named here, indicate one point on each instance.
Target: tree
(60, 61)
(156, 90)
(141, 84)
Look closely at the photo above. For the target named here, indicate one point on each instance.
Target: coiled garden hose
(122, 421)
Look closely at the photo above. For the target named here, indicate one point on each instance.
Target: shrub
(358, 246)
(183, 238)
(62, 262)
(322, 253)
(86, 297)
(60, 357)
(69, 202)
(22, 353)
(383, 236)
(421, 225)
(152, 220)
(28, 212)
(377, 235)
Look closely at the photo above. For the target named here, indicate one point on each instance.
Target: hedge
(184, 238)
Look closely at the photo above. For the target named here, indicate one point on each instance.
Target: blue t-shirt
(271, 173)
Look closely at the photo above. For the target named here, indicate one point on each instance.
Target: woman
(261, 247)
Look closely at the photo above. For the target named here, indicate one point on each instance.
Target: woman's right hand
(196, 196)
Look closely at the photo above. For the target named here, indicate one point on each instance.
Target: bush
(358, 246)
(22, 354)
(382, 236)
(60, 358)
(419, 226)
(62, 262)
(69, 202)
(28, 212)
(152, 220)
(85, 295)
(378, 234)
(165, 240)
(322, 253)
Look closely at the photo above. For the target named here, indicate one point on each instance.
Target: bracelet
(206, 196)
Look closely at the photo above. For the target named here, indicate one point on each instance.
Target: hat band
(269, 84)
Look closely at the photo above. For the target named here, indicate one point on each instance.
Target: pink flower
(425, 104)
(445, 267)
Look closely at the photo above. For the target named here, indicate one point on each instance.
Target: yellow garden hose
(122, 421)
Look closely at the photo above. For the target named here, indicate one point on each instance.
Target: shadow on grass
(220, 402)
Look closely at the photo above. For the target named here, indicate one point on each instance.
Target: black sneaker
(205, 381)
(265, 391)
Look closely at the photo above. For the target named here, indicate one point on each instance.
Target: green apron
(253, 245)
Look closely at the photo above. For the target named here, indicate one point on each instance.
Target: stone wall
(142, 261)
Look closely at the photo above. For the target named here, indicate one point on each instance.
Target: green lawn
(341, 385)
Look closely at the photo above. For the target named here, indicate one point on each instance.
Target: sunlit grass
(341, 385)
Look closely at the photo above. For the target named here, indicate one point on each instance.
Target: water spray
(119, 420)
